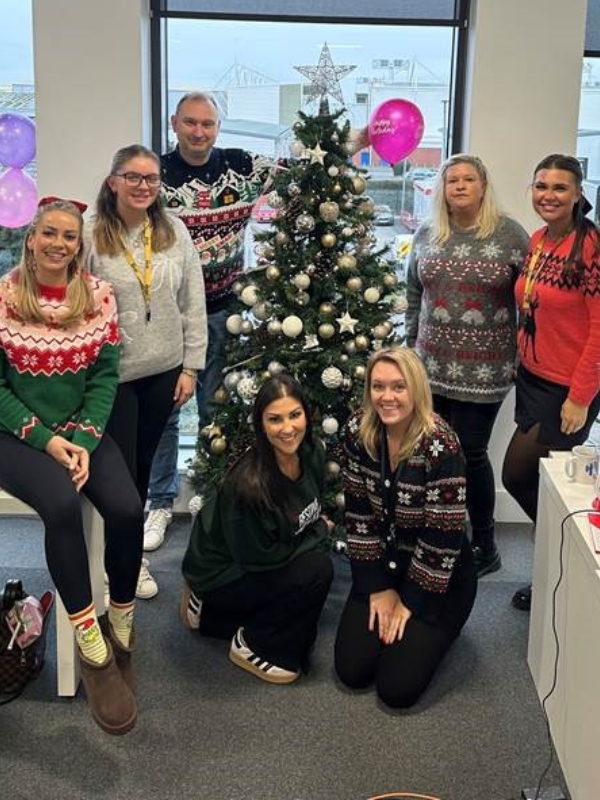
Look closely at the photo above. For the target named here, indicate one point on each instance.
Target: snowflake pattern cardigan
(416, 537)
(57, 380)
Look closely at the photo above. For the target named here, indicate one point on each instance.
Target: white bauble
(292, 326)
(399, 304)
(249, 295)
(331, 377)
(332, 468)
(246, 388)
(195, 504)
(234, 324)
(275, 368)
(330, 425)
(372, 294)
(296, 148)
(230, 381)
(333, 171)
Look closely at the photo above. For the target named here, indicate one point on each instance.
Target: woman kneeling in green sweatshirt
(257, 566)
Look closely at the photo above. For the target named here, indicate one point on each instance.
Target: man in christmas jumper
(213, 190)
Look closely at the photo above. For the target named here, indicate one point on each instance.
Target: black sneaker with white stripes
(240, 654)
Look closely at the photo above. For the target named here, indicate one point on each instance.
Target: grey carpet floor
(207, 730)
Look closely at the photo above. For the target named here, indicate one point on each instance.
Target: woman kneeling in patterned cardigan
(413, 576)
(59, 361)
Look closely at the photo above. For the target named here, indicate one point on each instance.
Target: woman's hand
(390, 613)
(72, 457)
(184, 389)
(572, 417)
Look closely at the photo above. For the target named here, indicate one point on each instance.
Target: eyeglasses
(135, 179)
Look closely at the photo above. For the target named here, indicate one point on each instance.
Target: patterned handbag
(23, 626)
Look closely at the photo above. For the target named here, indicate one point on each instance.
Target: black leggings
(38, 480)
(402, 670)
(139, 415)
(279, 609)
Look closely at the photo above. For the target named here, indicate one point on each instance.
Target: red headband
(44, 201)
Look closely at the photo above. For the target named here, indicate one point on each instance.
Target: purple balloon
(18, 198)
(395, 129)
(17, 140)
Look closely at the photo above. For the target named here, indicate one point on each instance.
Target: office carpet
(207, 730)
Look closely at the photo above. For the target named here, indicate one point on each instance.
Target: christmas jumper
(559, 338)
(408, 524)
(176, 331)
(57, 380)
(215, 202)
(461, 316)
(229, 539)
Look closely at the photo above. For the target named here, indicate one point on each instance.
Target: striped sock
(120, 616)
(88, 634)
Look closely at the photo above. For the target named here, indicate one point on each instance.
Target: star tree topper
(325, 77)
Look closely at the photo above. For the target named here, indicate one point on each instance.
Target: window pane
(588, 135)
(592, 28)
(16, 96)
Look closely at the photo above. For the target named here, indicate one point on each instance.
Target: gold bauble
(326, 330)
(336, 188)
(380, 332)
(389, 280)
(281, 237)
(237, 287)
(329, 211)
(360, 372)
(221, 395)
(218, 445)
(273, 273)
(354, 284)
(326, 310)
(328, 240)
(359, 184)
(346, 261)
(361, 342)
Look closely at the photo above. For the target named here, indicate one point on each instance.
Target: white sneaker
(190, 608)
(240, 654)
(146, 585)
(155, 527)
(106, 592)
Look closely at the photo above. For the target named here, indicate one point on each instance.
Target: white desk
(574, 708)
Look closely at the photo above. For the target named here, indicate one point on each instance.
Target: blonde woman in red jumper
(558, 295)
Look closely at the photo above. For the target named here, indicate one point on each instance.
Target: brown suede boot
(110, 699)
(122, 653)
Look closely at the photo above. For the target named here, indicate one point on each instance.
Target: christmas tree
(320, 300)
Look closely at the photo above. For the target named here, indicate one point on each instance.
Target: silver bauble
(246, 388)
(294, 190)
(305, 223)
(332, 468)
(231, 380)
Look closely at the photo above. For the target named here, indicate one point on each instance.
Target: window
(16, 96)
(588, 134)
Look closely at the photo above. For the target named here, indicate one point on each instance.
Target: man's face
(196, 126)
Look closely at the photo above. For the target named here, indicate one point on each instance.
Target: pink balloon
(18, 198)
(396, 127)
(17, 140)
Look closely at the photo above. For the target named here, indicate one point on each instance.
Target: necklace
(144, 278)
(537, 262)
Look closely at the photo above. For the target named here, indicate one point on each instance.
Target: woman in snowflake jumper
(256, 567)
(461, 319)
(149, 258)
(558, 294)
(413, 576)
(58, 376)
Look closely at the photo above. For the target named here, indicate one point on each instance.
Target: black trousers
(38, 480)
(278, 609)
(139, 415)
(473, 424)
(402, 670)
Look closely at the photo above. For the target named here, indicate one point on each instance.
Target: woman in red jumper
(558, 295)
(59, 359)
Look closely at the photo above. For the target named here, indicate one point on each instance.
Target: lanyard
(144, 278)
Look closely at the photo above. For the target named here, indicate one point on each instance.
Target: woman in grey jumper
(149, 258)
(461, 319)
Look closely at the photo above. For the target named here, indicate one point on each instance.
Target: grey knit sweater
(176, 332)
(461, 315)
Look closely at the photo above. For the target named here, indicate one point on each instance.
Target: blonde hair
(489, 214)
(79, 297)
(109, 229)
(417, 384)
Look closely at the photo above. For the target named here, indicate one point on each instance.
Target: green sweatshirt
(229, 539)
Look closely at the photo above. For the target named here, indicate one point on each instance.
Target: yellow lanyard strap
(144, 278)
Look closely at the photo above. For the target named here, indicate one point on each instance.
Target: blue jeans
(164, 478)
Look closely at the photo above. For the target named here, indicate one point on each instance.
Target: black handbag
(23, 627)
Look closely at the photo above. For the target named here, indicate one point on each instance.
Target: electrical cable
(550, 692)
(408, 795)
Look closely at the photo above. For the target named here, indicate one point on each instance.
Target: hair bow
(45, 201)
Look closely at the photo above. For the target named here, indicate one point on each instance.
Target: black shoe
(522, 598)
(486, 560)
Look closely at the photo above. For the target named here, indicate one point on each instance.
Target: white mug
(582, 464)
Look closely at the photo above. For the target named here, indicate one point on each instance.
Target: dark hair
(583, 226)
(109, 228)
(257, 478)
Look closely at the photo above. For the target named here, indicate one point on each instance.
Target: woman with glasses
(149, 258)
